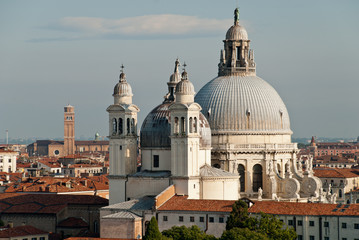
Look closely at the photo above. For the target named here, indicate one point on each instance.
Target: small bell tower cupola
(174, 79)
(185, 139)
(236, 58)
(123, 138)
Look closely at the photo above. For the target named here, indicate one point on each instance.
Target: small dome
(236, 32)
(185, 86)
(175, 77)
(123, 88)
(156, 129)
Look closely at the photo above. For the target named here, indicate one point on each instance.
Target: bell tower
(185, 140)
(123, 139)
(69, 130)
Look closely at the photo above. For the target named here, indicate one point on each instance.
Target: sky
(54, 53)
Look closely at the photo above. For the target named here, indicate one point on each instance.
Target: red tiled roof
(73, 222)
(44, 203)
(335, 172)
(21, 231)
(82, 142)
(59, 185)
(312, 209)
(6, 151)
(181, 203)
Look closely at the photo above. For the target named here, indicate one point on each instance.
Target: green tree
(152, 231)
(271, 226)
(187, 233)
(242, 234)
(239, 217)
(267, 225)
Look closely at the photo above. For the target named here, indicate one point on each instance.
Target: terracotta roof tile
(335, 172)
(21, 231)
(44, 203)
(73, 222)
(181, 203)
(311, 209)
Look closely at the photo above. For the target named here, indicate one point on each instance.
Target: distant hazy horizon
(53, 53)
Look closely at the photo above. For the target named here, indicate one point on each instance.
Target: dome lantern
(185, 89)
(174, 79)
(236, 58)
(122, 92)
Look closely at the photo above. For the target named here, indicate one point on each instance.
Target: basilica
(230, 140)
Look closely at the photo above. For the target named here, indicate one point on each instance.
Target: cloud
(166, 25)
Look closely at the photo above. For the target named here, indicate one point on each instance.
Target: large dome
(156, 129)
(243, 105)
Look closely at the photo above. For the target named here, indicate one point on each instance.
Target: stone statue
(236, 15)
(333, 199)
(287, 168)
(270, 166)
(299, 165)
(310, 163)
(260, 193)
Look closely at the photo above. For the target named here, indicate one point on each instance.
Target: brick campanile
(69, 130)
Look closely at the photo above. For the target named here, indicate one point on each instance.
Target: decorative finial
(122, 75)
(184, 74)
(236, 16)
(184, 66)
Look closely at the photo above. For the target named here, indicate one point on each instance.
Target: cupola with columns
(236, 58)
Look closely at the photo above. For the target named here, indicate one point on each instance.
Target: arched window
(133, 126)
(257, 177)
(190, 125)
(128, 126)
(340, 193)
(114, 126)
(195, 125)
(242, 177)
(120, 126)
(279, 169)
(182, 125)
(176, 130)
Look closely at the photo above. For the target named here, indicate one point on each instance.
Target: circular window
(56, 152)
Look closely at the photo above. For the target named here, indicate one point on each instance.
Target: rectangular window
(156, 161)
(165, 218)
(326, 224)
(290, 222)
(221, 220)
(356, 225)
(201, 219)
(326, 238)
(344, 225)
(9, 160)
(311, 238)
(191, 219)
(344, 238)
(300, 223)
(42, 238)
(311, 223)
(33, 238)
(180, 218)
(211, 219)
(300, 237)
